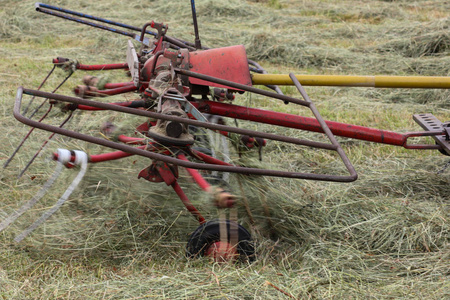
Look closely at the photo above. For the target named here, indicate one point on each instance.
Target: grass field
(385, 236)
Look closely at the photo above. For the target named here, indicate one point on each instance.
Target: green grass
(384, 236)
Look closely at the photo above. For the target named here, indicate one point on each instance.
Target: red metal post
(102, 67)
(300, 122)
(198, 178)
(176, 187)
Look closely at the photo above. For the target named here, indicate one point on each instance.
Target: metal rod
(96, 25)
(324, 126)
(39, 7)
(39, 88)
(196, 176)
(42, 147)
(45, 8)
(43, 102)
(198, 44)
(187, 203)
(300, 122)
(241, 87)
(102, 67)
(424, 82)
(26, 137)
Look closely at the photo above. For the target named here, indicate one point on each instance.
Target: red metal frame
(311, 124)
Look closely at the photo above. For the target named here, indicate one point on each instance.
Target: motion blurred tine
(43, 146)
(81, 159)
(25, 138)
(40, 120)
(42, 83)
(54, 91)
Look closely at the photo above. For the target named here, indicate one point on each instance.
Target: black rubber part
(443, 151)
(209, 233)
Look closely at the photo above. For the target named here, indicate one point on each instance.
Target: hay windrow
(430, 39)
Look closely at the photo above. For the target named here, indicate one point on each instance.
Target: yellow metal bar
(423, 82)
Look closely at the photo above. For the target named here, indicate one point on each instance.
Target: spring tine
(25, 138)
(42, 83)
(24, 208)
(54, 91)
(40, 120)
(81, 158)
(42, 146)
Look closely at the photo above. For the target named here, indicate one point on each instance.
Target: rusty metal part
(155, 115)
(85, 91)
(232, 66)
(159, 171)
(324, 125)
(432, 124)
(153, 172)
(239, 86)
(160, 27)
(167, 159)
(189, 206)
(54, 91)
(171, 133)
(141, 38)
(365, 133)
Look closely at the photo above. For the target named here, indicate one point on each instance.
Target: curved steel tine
(81, 158)
(43, 146)
(25, 207)
(40, 86)
(25, 138)
(54, 91)
(40, 120)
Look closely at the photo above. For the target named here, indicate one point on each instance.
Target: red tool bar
(110, 156)
(300, 122)
(198, 178)
(117, 85)
(131, 140)
(104, 156)
(116, 91)
(102, 67)
(188, 204)
(61, 60)
(125, 104)
(209, 159)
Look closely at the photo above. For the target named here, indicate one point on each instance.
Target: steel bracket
(442, 130)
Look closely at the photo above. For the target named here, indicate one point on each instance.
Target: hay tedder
(184, 93)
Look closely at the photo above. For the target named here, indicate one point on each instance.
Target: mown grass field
(385, 236)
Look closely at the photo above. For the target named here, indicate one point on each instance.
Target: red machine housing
(229, 63)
